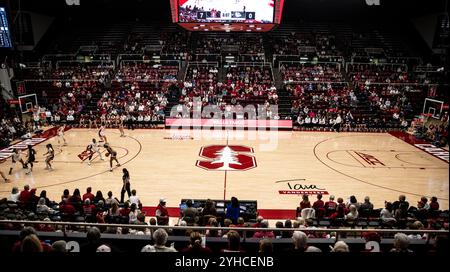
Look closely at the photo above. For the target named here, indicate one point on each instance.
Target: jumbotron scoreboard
(227, 15)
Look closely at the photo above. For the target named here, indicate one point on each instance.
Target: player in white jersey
(94, 148)
(101, 134)
(61, 135)
(50, 155)
(16, 157)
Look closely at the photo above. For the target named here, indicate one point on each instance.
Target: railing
(376, 64)
(310, 62)
(154, 62)
(338, 232)
(316, 82)
(427, 69)
(103, 63)
(57, 56)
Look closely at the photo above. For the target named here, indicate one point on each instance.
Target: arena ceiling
(294, 10)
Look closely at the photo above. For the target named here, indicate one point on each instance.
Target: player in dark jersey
(31, 158)
(113, 156)
(50, 155)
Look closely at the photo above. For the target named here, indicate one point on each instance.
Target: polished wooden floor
(378, 165)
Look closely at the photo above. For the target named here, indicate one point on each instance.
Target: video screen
(243, 11)
(5, 36)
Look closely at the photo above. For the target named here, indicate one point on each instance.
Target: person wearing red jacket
(162, 214)
(25, 194)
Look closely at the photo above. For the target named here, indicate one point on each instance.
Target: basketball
(107, 154)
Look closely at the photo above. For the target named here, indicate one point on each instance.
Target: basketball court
(273, 167)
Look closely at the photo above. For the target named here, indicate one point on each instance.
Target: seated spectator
(259, 219)
(24, 195)
(226, 223)
(113, 212)
(88, 194)
(401, 243)
(352, 214)
(287, 225)
(386, 214)
(300, 243)
(278, 233)
(93, 241)
(41, 208)
(417, 225)
(25, 232)
(305, 202)
(264, 233)
(59, 246)
(31, 244)
(265, 246)
(401, 199)
(15, 194)
(339, 213)
(318, 206)
(195, 244)
(234, 242)
(340, 246)
(208, 211)
(98, 197)
(75, 199)
(353, 201)
(190, 213)
(47, 200)
(366, 207)
(423, 204)
(133, 214)
(67, 210)
(110, 200)
(330, 206)
(434, 205)
(33, 199)
(160, 238)
(89, 210)
(125, 210)
(66, 194)
(213, 232)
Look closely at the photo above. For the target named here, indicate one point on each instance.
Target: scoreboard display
(226, 11)
(5, 36)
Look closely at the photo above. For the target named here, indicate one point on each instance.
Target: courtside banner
(228, 123)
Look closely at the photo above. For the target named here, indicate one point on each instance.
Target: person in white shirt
(16, 157)
(322, 121)
(135, 199)
(337, 123)
(300, 120)
(307, 121)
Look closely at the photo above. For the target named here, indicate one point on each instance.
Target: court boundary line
(358, 179)
(383, 167)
